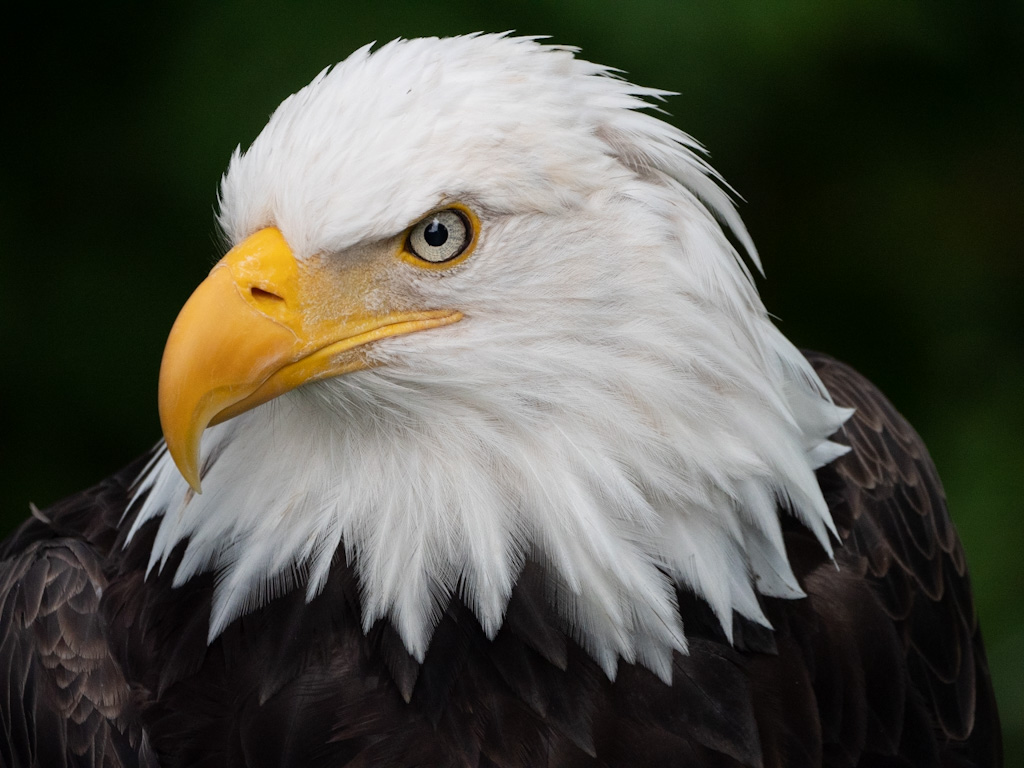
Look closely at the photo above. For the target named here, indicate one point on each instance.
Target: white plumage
(614, 355)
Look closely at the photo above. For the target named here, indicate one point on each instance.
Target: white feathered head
(482, 308)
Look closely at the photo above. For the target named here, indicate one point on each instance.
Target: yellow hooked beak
(263, 323)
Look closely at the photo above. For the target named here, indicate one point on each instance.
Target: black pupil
(436, 233)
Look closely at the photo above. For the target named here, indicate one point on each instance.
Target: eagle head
(481, 309)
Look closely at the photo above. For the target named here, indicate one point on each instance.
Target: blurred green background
(879, 147)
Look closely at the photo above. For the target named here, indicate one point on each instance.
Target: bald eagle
(481, 449)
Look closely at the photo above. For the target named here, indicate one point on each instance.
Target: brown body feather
(881, 665)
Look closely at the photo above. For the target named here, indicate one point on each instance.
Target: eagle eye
(441, 237)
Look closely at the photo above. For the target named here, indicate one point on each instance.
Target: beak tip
(192, 478)
(184, 450)
(188, 466)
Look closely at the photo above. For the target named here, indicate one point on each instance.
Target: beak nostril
(261, 295)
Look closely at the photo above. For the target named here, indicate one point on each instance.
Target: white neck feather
(616, 405)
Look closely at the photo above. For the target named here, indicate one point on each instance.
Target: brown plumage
(882, 664)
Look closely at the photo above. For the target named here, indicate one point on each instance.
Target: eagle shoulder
(890, 511)
(68, 700)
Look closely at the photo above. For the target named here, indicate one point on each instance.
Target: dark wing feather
(66, 695)
(66, 701)
(888, 504)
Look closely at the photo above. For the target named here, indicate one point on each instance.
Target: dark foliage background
(879, 147)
